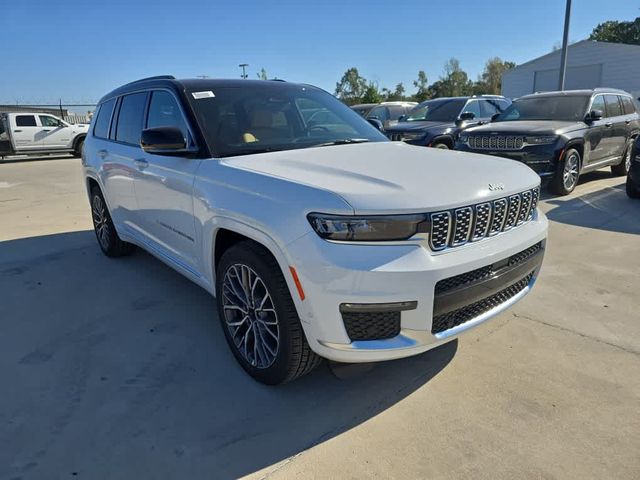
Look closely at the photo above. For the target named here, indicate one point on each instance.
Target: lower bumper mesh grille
(371, 325)
(449, 320)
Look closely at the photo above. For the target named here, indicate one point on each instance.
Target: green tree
(397, 95)
(617, 32)
(351, 87)
(372, 94)
(455, 81)
(422, 84)
(262, 74)
(490, 81)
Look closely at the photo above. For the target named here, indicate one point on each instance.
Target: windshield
(436, 111)
(274, 116)
(565, 108)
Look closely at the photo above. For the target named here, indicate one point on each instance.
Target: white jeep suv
(317, 235)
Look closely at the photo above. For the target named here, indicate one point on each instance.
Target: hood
(530, 127)
(420, 126)
(394, 177)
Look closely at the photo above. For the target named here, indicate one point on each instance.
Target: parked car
(633, 177)
(317, 240)
(388, 113)
(363, 108)
(561, 135)
(27, 133)
(435, 123)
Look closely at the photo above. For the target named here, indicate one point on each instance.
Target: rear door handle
(608, 124)
(141, 163)
(102, 153)
(17, 131)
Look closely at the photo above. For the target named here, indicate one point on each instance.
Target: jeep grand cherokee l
(562, 134)
(436, 123)
(318, 240)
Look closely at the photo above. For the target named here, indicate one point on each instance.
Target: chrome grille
(495, 142)
(452, 228)
(499, 215)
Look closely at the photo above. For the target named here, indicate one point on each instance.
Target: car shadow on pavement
(606, 209)
(120, 369)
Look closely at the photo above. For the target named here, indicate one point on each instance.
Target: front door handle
(141, 163)
(627, 122)
(102, 153)
(17, 131)
(608, 124)
(45, 130)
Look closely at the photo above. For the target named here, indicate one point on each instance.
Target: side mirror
(594, 115)
(163, 141)
(402, 118)
(494, 116)
(376, 123)
(464, 117)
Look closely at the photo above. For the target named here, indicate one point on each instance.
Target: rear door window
(101, 128)
(613, 105)
(130, 118)
(627, 105)
(25, 121)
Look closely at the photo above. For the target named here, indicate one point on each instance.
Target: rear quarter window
(101, 128)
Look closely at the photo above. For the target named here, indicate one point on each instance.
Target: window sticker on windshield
(207, 94)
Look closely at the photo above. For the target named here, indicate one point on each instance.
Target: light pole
(244, 72)
(565, 46)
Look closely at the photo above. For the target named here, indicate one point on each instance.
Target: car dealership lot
(119, 368)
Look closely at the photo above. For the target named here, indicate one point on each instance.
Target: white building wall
(618, 64)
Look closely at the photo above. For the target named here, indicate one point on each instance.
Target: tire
(623, 167)
(440, 145)
(282, 352)
(633, 190)
(567, 173)
(77, 150)
(106, 234)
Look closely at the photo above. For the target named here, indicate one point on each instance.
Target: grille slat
(453, 228)
(495, 142)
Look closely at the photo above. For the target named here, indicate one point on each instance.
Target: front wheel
(567, 173)
(633, 190)
(440, 145)
(106, 234)
(258, 316)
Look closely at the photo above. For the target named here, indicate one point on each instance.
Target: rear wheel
(623, 167)
(633, 190)
(108, 238)
(567, 173)
(258, 316)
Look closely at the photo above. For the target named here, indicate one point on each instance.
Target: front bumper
(541, 158)
(335, 274)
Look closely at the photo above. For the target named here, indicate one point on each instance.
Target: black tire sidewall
(278, 371)
(557, 184)
(112, 249)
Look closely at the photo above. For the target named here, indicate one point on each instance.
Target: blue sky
(79, 50)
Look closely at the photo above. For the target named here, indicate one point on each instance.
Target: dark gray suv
(562, 134)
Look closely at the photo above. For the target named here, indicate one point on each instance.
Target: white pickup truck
(27, 133)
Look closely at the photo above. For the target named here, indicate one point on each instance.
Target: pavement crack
(584, 335)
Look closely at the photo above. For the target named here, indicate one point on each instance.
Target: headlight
(371, 228)
(412, 136)
(541, 140)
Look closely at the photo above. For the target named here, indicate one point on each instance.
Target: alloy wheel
(250, 315)
(100, 221)
(570, 172)
(627, 159)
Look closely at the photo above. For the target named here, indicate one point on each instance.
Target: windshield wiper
(342, 141)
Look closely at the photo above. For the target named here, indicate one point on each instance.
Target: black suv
(562, 134)
(435, 123)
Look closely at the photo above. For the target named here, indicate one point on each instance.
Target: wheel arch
(80, 136)
(447, 139)
(577, 145)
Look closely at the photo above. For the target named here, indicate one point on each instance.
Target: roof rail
(157, 77)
